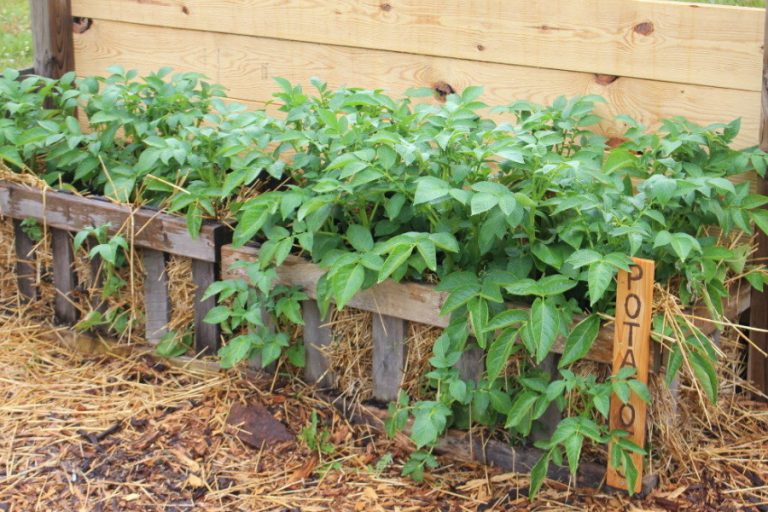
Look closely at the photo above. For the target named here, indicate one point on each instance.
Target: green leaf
(573, 446)
(599, 277)
(429, 421)
(705, 374)
(556, 284)
(458, 297)
(429, 189)
(396, 258)
(640, 389)
(580, 340)
(521, 407)
(544, 326)
(478, 317)
(583, 257)
(507, 318)
(217, 315)
(760, 218)
(538, 474)
(235, 351)
(499, 352)
(360, 238)
(426, 248)
(482, 202)
(346, 282)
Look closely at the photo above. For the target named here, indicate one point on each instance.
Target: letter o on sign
(627, 415)
(632, 306)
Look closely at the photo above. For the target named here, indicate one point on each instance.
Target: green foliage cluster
(530, 207)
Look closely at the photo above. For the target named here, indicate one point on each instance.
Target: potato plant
(529, 206)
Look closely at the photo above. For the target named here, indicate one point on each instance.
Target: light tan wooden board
(668, 41)
(421, 303)
(247, 65)
(632, 348)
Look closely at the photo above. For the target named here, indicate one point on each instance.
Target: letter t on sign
(631, 347)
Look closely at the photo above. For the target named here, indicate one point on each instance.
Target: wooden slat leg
(64, 277)
(206, 335)
(316, 335)
(255, 361)
(388, 356)
(156, 299)
(471, 363)
(25, 268)
(545, 426)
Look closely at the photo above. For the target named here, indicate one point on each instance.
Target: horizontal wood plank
(247, 66)
(667, 41)
(151, 229)
(421, 303)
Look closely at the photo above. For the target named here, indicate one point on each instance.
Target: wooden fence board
(666, 41)
(246, 65)
(421, 303)
(25, 268)
(152, 229)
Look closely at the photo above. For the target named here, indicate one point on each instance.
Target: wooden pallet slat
(25, 267)
(64, 277)
(151, 229)
(157, 303)
(206, 335)
(389, 334)
(665, 41)
(316, 336)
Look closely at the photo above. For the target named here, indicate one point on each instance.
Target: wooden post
(316, 336)
(156, 300)
(52, 32)
(64, 278)
(757, 369)
(25, 268)
(388, 355)
(206, 335)
(632, 347)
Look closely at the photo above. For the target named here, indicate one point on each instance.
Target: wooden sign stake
(632, 344)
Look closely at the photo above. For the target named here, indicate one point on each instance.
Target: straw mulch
(90, 430)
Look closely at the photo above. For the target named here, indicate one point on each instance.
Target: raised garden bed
(157, 233)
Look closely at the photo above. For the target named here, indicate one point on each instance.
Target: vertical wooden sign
(631, 347)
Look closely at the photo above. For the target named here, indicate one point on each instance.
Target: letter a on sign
(631, 347)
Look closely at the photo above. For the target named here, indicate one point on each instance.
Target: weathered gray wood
(25, 267)
(316, 335)
(421, 303)
(151, 229)
(206, 335)
(64, 276)
(157, 302)
(545, 426)
(471, 363)
(52, 32)
(389, 335)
